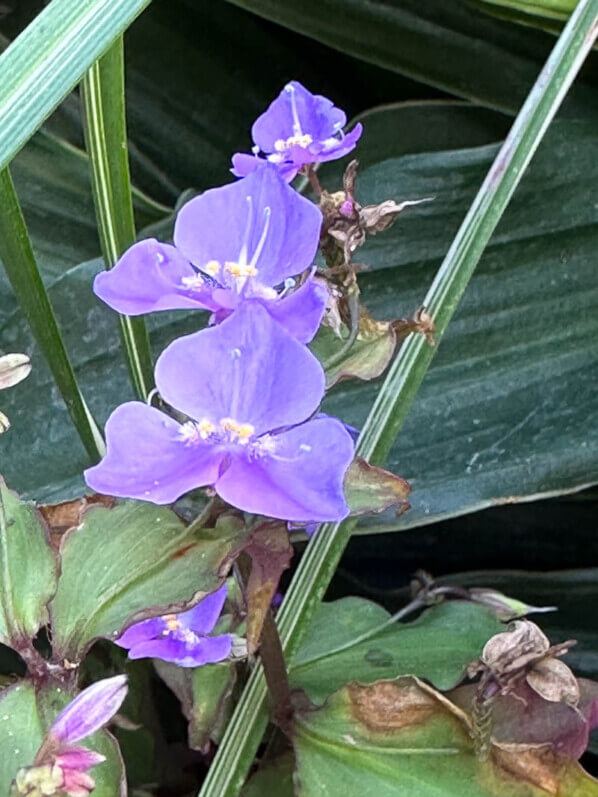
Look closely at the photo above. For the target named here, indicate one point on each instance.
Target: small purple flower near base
(298, 128)
(250, 391)
(242, 241)
(61, 768)
(181, 638)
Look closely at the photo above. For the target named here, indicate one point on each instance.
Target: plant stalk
(103, 93)
(246, 727)
(21, 268)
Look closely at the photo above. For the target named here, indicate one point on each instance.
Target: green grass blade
(106, 137)
(245, 729)
(50, 57)
(22, 271)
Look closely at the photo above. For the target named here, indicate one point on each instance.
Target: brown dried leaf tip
(347, 224)
(422, 322)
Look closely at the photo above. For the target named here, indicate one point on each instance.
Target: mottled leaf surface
(28, 569)
(126, 563)
(437, 646)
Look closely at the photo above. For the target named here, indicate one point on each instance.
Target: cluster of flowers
(245, 392)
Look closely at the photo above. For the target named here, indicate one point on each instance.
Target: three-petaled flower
(59, 766)
(242, 241)
(250, 391)
(297, 129)
(181, 638)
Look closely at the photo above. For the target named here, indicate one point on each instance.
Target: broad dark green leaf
(453, 46)
(121, 562)
(29, 570)
(26, 715)
(402, 738)
(437, 646)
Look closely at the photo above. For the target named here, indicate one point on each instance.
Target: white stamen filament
(296, 123)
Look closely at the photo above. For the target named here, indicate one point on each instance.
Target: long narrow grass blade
(22, 271)
(246, 727)
(106, 137)
(50, 57)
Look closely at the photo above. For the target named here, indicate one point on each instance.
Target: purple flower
(181, 638)
(249, 390)
(241, 241)
(60, 768)
(90, 710)
(297, 129)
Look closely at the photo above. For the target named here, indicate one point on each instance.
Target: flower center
(297, 140)
(228, 431)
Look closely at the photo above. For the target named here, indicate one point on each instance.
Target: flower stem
(244, 732)
(106, 138)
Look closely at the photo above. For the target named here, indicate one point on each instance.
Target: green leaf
(452, 46)
(370, 490)
(274, 779)
(81, 32)
(129, 562)
(26, 715)
(28, 570)
(205, 694)
(403, 738)
(366, 358)
(545, 9)
(437, 646)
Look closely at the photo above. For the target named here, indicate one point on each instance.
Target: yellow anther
(241, 432)
(205, 428)
(245, 431)
(212, 268)
(171, 622)
(240, 270)
(280, 145)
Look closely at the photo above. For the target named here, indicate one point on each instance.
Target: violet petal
(148, 458)
(301, 480)
(93, 708)
(248, 368)
(277, 227)
(150, 276)
(301, 312)
(202, 618)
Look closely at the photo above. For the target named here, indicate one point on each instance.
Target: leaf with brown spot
(369, 489)
(271, 552)
(403, 737)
